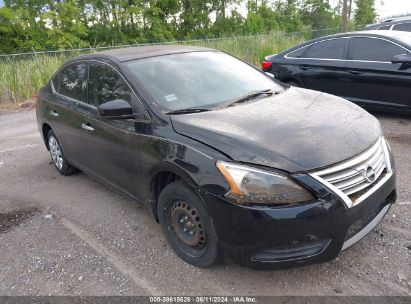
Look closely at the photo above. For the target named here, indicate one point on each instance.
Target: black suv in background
(395, 24)
(370, 68)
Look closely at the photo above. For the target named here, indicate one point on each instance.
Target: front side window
(72, 80)
(372, 49)
(198, 79)
(329, 49)
(405, 27)
(105, 84)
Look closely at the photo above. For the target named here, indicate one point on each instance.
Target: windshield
(199, 79)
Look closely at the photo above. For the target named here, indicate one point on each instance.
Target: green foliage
(289, 16)
(20, 79)
(365, 12)
(319, 14)
(68, 31)
(27, 25)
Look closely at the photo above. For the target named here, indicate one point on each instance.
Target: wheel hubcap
(55, 152)
(188, 225)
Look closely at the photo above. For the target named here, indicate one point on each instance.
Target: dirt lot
(73, 236)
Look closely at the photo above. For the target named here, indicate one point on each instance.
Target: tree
(55, 24)
(195, 19)
(344, 15)
(365, 12)
(289, 16)
(319, 15)
(67, 31)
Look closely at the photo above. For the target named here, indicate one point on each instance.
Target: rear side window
(297, 53)
(329, 49)
(72, 80)
(105, 84)
(405, 27)
(372, 49)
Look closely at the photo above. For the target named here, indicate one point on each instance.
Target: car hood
(297, 130)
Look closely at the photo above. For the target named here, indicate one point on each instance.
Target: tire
(57, 155)
(294, 84)
(179, 208)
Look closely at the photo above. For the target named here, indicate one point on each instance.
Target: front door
(111, 145)
(374, 81)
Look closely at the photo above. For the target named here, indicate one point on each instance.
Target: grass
(22, 77)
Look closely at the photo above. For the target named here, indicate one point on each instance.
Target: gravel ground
(73, 236)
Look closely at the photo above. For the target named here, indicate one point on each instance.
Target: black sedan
(395, 24)
(230, 162)
(371, 68)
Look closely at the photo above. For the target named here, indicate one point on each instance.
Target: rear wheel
(57, 155)
(187, 225)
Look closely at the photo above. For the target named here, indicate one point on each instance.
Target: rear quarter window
(297, 53)
(55, 81)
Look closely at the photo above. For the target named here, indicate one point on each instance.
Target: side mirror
(116, 108)
(404, 59)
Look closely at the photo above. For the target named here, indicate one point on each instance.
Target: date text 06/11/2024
(203, 299)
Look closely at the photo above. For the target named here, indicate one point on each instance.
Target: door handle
(54, 113)
(304, 67)
(354, 72)
(87, 127)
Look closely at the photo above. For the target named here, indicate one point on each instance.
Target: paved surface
(73, 236)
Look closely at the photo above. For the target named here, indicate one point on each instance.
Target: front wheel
(187, 226)
(57, 155)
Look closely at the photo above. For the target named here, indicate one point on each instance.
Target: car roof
(138, 52)
(396, 35)
(380, 33)
(398, 19)
(389, 22)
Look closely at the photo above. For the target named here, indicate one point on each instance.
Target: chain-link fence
(23, 74)
(307, 34)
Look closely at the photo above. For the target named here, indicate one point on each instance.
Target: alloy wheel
(55, 152)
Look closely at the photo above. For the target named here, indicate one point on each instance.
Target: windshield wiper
(187, 111)
(250, 96)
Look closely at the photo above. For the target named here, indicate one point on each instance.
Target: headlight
(250, 186)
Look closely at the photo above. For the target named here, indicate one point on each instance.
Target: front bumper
(298, 235)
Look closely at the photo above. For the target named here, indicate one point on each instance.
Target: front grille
(355, 178)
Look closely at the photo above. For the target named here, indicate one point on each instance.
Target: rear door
(322, 66)
(373, 80)
(69, 88)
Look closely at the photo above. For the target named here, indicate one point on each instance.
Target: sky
(392, 7)
(384, 8)
(387, 8)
